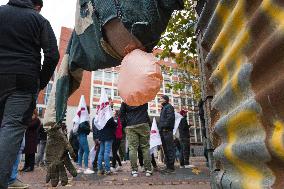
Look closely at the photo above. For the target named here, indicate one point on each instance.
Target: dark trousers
(169, 148)
(16, 110)
(115, 156)
(140, 158)
(95, 163)
(29, 161)
(184, 153)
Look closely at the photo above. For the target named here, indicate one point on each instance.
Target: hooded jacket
(167, 117)
(24, 33)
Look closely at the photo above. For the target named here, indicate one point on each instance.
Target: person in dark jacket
(166, 126)
(42, 136)
(31, 139)
(137, 133)
(184, 141)
(73, 140)
(106, 137)
(24, 33)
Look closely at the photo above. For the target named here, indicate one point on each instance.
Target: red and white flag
(82, 114)
(178, 118)
(104, 112)
(155, 138)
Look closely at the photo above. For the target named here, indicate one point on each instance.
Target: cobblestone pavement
(197, 178)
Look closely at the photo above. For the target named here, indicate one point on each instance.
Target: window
(40, 111)
(167, 90)
(176, 101)
(115, 93)
(108, 76)
(98, 75)
(97, 91)
(189, 101)
(115, 77)
(47, 92)
(108, 92)
(183, 101)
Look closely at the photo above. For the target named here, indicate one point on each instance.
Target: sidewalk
(184, 178)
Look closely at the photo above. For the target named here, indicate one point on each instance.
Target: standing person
(106, 137)
(166, 126)
(184, 141)
(31, 139)
(73, 140)
(23, 36)
(42, 135)
(137, 133)
(116, 143)
(83, 153)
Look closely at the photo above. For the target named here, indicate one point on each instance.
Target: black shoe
(29, 169)
(23, 169)
(168, 171)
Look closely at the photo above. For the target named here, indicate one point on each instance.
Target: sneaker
(168, 171)
(118, 168)
(108, 173)
(123, 162)
(148, 173)
(80, 170)
(88, 171)
(182, 167)
(189, 166)
(112, 169)
(134, 173)
(100, 173)
(18, 185)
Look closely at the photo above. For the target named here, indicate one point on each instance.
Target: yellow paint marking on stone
(251, 176)
(230, 28)
(231, 56)
(222, 11)
(274, 11)
(277, 139)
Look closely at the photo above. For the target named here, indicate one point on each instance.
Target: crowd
(132, 124)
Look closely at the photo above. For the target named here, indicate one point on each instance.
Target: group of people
(131, 123)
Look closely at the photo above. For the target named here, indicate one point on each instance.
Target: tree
(180, 36)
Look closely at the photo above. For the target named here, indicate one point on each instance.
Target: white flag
(178, 118)
(104, 112)
(155, 138)
(82, 114)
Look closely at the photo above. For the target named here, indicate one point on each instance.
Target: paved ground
(184, 178)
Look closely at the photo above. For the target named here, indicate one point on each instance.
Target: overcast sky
(58, 12)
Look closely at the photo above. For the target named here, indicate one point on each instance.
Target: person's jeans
(83, 150)
(169, 148)
(14, 173)
(139, 135)
(105, 148)
(16, 110)
(184, 153)
(41, 149)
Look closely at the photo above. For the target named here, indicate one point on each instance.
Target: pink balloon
(140, 78)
